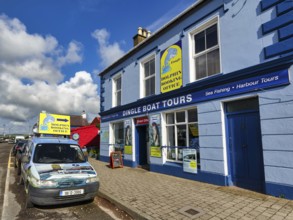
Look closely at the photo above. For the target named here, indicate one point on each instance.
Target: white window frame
(142, 75)
(186, 123)
(112, 135)
(199, 28)
(114, 90)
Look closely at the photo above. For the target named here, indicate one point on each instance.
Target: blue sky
(52, 50)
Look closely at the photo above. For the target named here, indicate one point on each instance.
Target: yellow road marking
(9, 159)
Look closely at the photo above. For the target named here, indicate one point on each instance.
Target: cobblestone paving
(156, 196)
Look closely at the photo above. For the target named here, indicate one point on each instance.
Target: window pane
(192, 115)
(118, 94)
(147, 87)
(193, 131)
(171, 154)
(170, 118)
(146, 69)
(152, 67)
(118, 133)
(181, 135)
(180, 116)
(150, 86)
(212, 36)
(200, 65)
(213, 62)
(118, 83)
(170, 136)
(199, 40)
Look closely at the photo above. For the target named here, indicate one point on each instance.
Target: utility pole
(3, 130)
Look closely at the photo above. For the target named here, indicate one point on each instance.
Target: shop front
(209, 131)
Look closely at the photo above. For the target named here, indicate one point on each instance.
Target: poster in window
(189, 160)
(171, 68)
(104, 135)
(155, 136)
(128, 137)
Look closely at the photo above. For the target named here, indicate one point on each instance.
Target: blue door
(141, 143)
(245, 147)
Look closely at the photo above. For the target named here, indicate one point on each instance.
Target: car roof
(52, 140)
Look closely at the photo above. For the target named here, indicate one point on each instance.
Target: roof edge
(152, 37)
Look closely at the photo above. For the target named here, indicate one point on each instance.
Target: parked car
(17, 146)
(19, 137)
(11, 141)
(55, 171)
(17, 158)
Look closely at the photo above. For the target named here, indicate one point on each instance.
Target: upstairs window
(206, 52)
(148, 78)
(117, 91)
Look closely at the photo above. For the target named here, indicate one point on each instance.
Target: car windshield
(58, 153)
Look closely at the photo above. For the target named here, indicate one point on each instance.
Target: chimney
(83, 115)
(141, 35)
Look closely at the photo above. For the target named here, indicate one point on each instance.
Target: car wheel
(28, 202)
(18, 168)
(20, 180)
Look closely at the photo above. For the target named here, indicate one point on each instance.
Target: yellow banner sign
(171, 68)
(128, 150)
(54, 124)
(156, 151)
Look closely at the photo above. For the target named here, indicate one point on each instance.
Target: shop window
(206, 52)
(181, 132)
(148, 77)
(118, 141)
(117, 91)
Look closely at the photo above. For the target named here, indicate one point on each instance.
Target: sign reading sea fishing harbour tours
(251, 84)
(171, 68)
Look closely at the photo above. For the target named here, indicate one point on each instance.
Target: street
(12, 199)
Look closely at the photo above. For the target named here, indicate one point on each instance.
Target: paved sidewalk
(149, 195)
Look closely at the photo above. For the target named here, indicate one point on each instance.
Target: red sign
(142, 121)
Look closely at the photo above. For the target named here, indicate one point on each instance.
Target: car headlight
(92, 179)
(44, 183)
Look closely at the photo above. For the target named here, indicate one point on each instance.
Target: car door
(26, 166)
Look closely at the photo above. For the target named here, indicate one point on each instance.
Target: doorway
(245, 153)
(142, 146)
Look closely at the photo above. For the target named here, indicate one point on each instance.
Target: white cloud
(33, 56)
(109, 53)
(16, 44)
(72, 55)
(31, 79)
(20, 102)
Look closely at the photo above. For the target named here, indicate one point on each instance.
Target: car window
(58, 153)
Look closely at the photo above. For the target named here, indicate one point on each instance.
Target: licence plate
(72, 192)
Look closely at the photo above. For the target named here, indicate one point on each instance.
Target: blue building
(208, 97)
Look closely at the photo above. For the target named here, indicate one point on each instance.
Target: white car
(55, 171)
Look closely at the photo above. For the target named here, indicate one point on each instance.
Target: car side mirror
(25, 159)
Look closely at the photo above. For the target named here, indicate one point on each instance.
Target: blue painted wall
(251, 33)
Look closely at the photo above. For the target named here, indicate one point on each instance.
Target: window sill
(173, 163)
